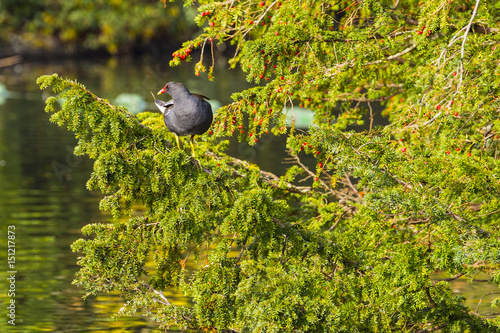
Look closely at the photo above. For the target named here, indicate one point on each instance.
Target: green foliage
(388, 207)
(116, 25)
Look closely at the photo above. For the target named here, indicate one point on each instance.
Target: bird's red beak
(163, 90)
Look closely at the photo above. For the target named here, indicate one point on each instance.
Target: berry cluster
(422, 30)
(182, 54)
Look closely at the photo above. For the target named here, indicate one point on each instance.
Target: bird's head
(172, 87)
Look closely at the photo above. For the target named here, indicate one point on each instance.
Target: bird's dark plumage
(185, 113)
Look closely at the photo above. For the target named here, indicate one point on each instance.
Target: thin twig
(433, 329)
(462, 51)
(481, 300)
(269, 177)
(449, 279)
(159, 293)
(472, 115)
(371, 116)
(312, 174)
(394, 56)
(256, 23)
(351, 186)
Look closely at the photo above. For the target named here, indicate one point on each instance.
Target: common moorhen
(186, 113)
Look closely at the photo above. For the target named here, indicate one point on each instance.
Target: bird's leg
(177, 141)
(192, 146)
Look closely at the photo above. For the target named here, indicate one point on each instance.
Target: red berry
(447, 152)
(315, 179)
(455, 114)
(320, 164)
(262, 3)
(282, 78)
(438, 107)
(261, 76)
(240, 127)
(276, 33)
(403, 150)
(458, 149)
(468, 154)
(454, 73)
(211, 24)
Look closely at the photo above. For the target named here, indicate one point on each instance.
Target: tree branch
(472, 115)
(481, 300)
(269, 177)
(449, 279)
(164, 300)
(429, 297)
(433, 329)
(394, 56)
(462, 50)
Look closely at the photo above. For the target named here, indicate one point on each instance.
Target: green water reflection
(43, 193)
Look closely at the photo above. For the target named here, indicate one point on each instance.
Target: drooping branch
(266, 176)
(481, 300)
(456, 276)
(163, 300)
(462, 49)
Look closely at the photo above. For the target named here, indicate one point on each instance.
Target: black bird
(186, 113)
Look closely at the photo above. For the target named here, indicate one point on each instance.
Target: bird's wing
(201, 96)
(164, 106)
